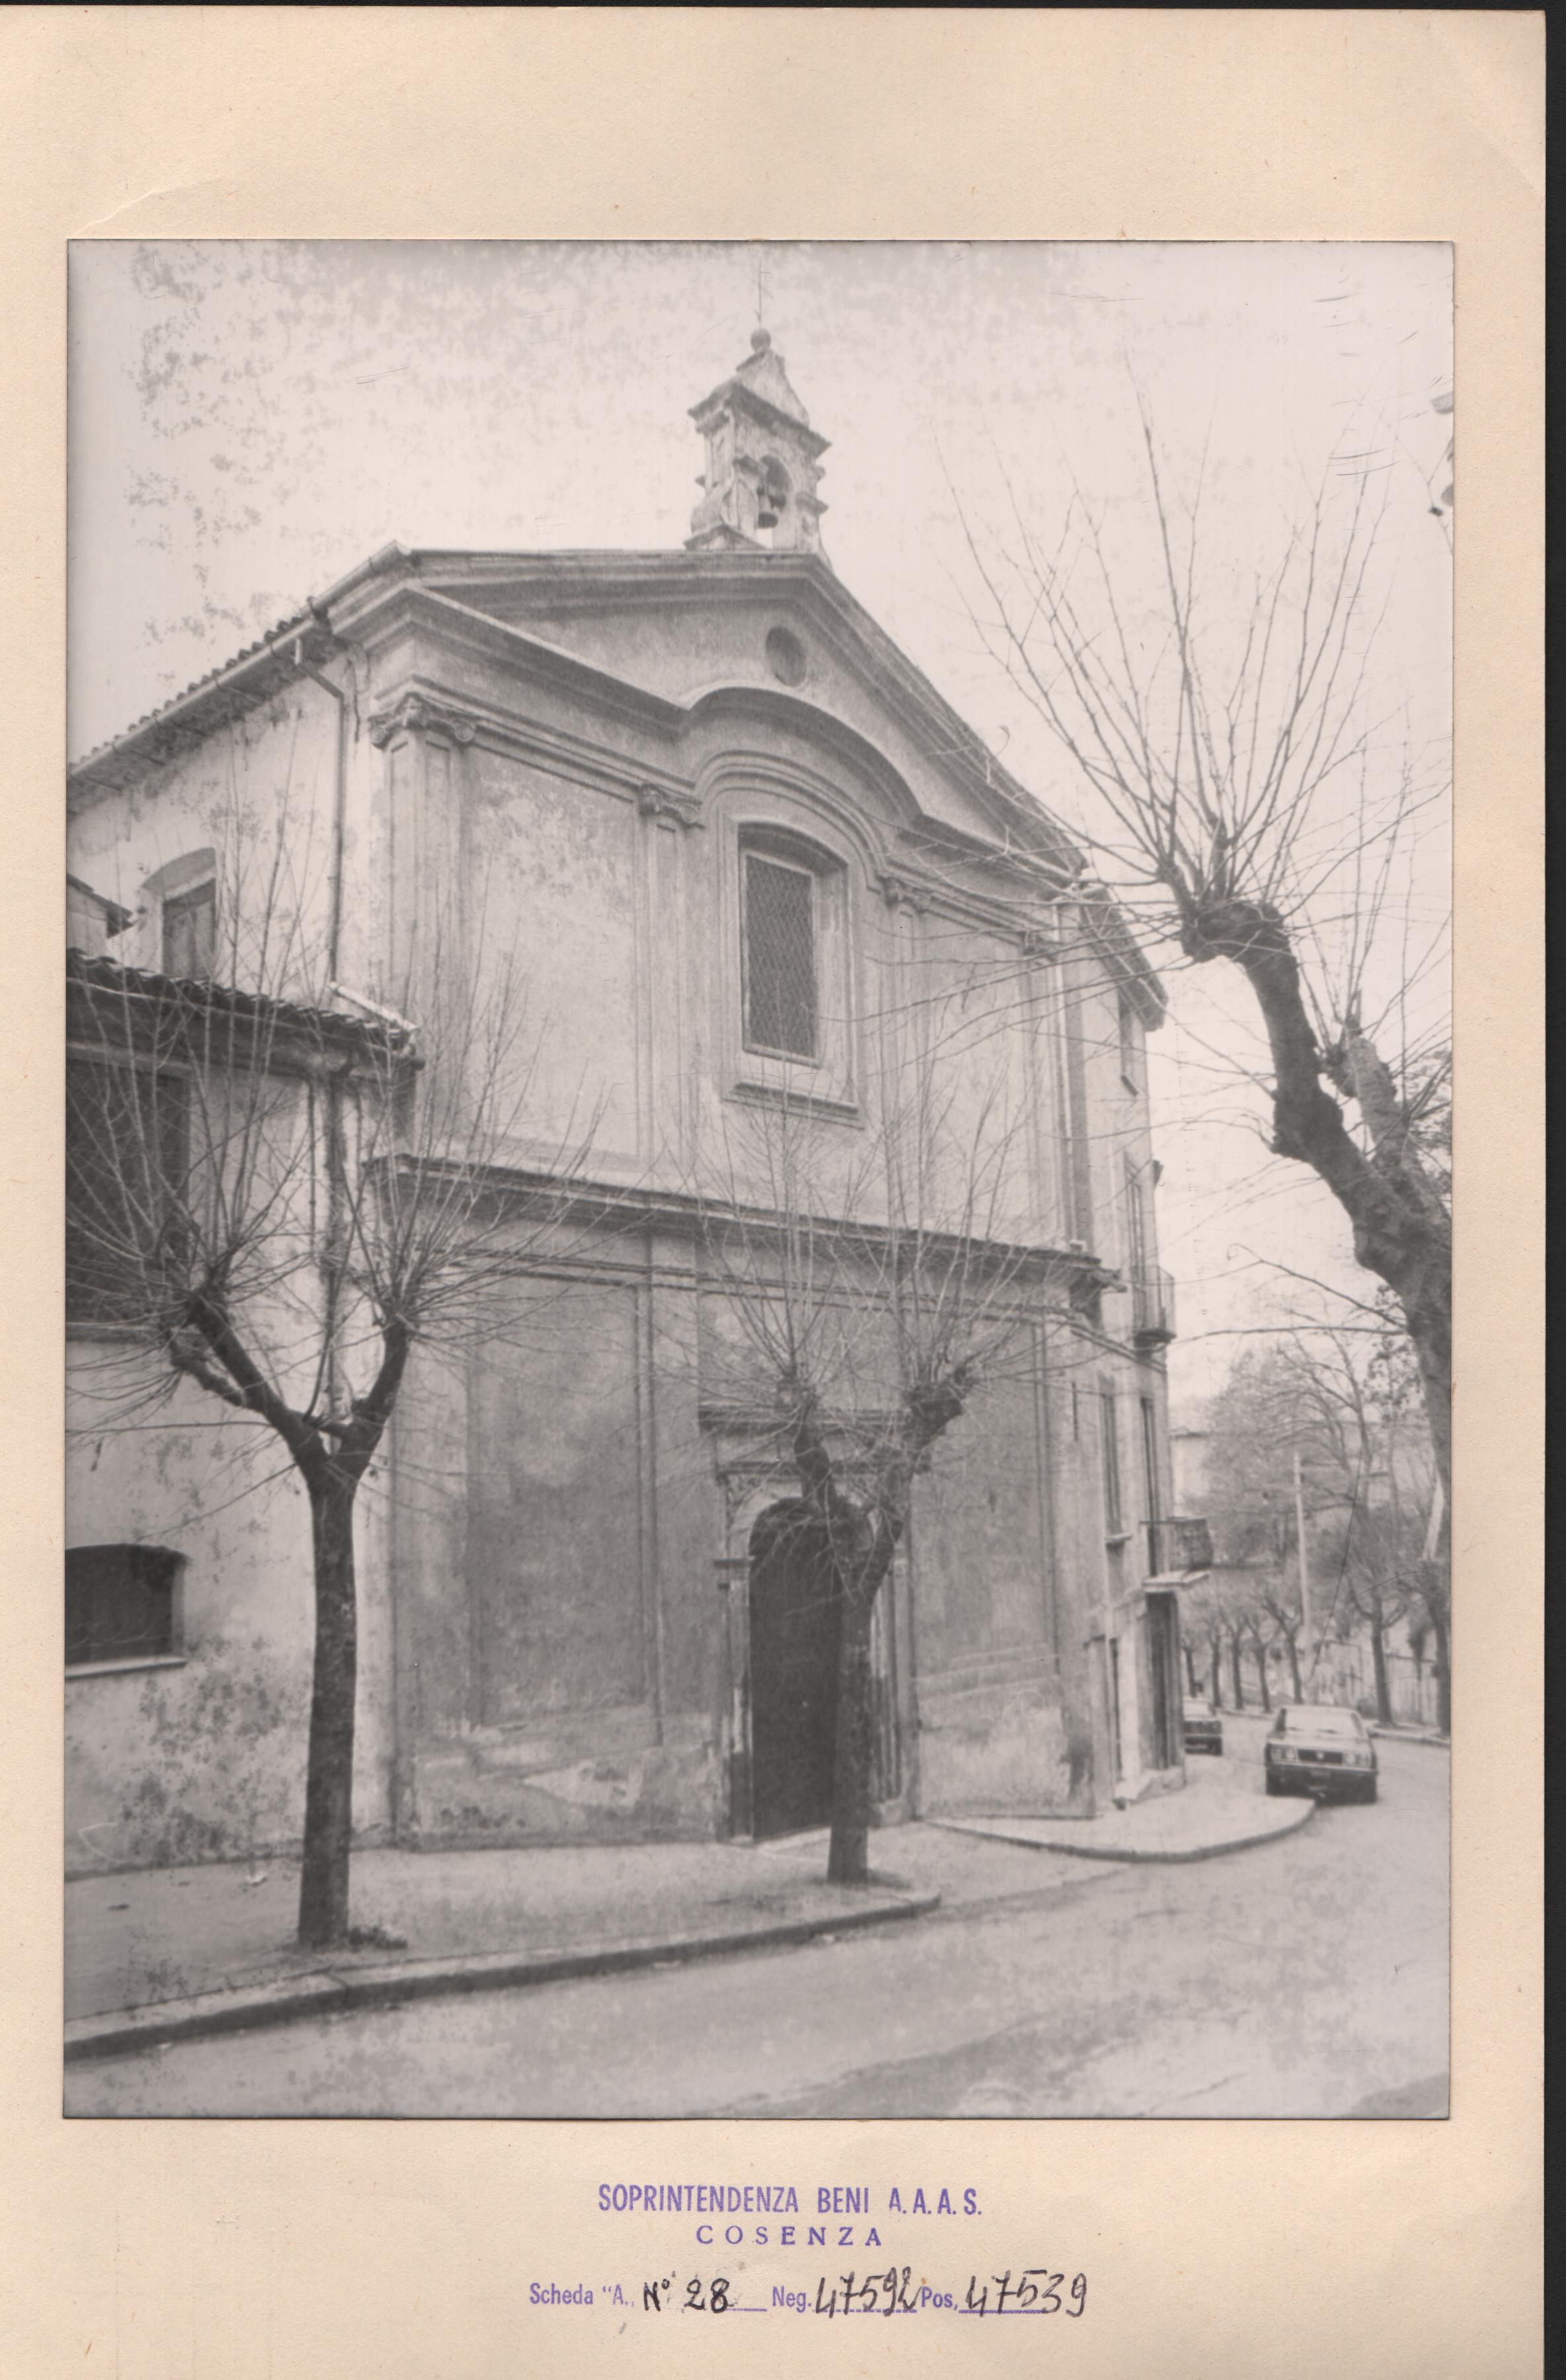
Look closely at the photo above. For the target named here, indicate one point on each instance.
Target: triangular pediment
(683, 627)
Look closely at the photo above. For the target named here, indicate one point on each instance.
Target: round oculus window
(786, 657)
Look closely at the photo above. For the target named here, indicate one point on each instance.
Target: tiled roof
(295, 624)
(106, 974)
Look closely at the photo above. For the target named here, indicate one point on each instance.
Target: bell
(766, 513)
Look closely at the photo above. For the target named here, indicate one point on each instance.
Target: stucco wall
(206, 1760)
(545, 1523)
(261, 786)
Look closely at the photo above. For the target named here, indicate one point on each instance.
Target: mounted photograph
(758, 1141)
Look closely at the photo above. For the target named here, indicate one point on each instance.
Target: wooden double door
(795, 1634)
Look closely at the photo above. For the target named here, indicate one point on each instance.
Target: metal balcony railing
(1175, 1546)
(1152, 1306)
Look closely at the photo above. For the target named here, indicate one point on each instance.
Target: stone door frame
(751, 1482)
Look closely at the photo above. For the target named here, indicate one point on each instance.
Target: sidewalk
(165, 1954)
(1222, 1807)
(161, 1954)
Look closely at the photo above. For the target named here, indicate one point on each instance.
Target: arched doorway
(794, 1634)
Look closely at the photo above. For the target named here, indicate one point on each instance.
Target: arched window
(772, 498)
(794, 973)
(779, 935)
(786, 1016)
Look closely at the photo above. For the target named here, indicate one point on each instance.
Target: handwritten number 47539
(1036, 2291)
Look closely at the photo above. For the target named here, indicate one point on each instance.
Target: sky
(248, 419)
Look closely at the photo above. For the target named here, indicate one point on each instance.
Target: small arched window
(772, 495)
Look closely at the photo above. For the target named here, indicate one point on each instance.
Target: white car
(1321, 1748)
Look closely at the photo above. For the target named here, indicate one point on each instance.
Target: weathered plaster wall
(561, 1632)
(549, 1509)
(206, 1760)
(267, 778)
(987, 1613)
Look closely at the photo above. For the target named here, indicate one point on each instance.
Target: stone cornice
(552, 751)
(920, 896)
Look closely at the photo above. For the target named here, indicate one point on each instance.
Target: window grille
(189, 932)
(119, 1604)
(125, 1136)
(779, 954)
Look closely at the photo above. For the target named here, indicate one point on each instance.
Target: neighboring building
(742, 854)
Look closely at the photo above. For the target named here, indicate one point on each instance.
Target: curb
(325, 1993)
(1290, 1826)
(1405, 1735)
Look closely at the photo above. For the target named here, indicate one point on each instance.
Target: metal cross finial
(761, 286)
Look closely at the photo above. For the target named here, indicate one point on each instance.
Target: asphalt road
(1305, 1977)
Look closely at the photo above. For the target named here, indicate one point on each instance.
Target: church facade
(750, 875)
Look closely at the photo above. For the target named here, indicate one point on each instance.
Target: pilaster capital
(668, 805)
(416, 714)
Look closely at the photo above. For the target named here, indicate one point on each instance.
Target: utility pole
(1305, 1570)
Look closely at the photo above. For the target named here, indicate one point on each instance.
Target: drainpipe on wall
(339, 793)
(332, 1095)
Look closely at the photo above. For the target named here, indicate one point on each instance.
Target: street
(1307, 1977)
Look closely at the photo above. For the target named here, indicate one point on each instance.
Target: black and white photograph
(757, 1179)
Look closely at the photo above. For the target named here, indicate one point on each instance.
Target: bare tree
(873, 1300)
(1210, 1612)
(1345, 1402)
(277, 1192)
(1248, 804)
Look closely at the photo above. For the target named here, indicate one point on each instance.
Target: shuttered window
(189, 932)
(120, 1604)
(1110, 1437)
(780, 958)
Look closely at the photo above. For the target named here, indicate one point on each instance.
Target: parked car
(1321, 1748)
(1204, 1728)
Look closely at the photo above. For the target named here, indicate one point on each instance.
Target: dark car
(1204, 1728)
(1321, 1748)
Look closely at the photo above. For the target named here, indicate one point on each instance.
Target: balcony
(1152, 1306)
(1178, 1545)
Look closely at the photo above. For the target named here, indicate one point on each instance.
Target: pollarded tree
(1246, 804)
(276, 1195)
(873, 1300)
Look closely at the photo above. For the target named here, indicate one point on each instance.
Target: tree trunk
(848, 1862)
(328, 1800)
(1383, 1689)
(1236, 1674)
(1261, 1677)
(1402, 1231)
(1192, 1687)
(1294, 1667)
(1215, 1647)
